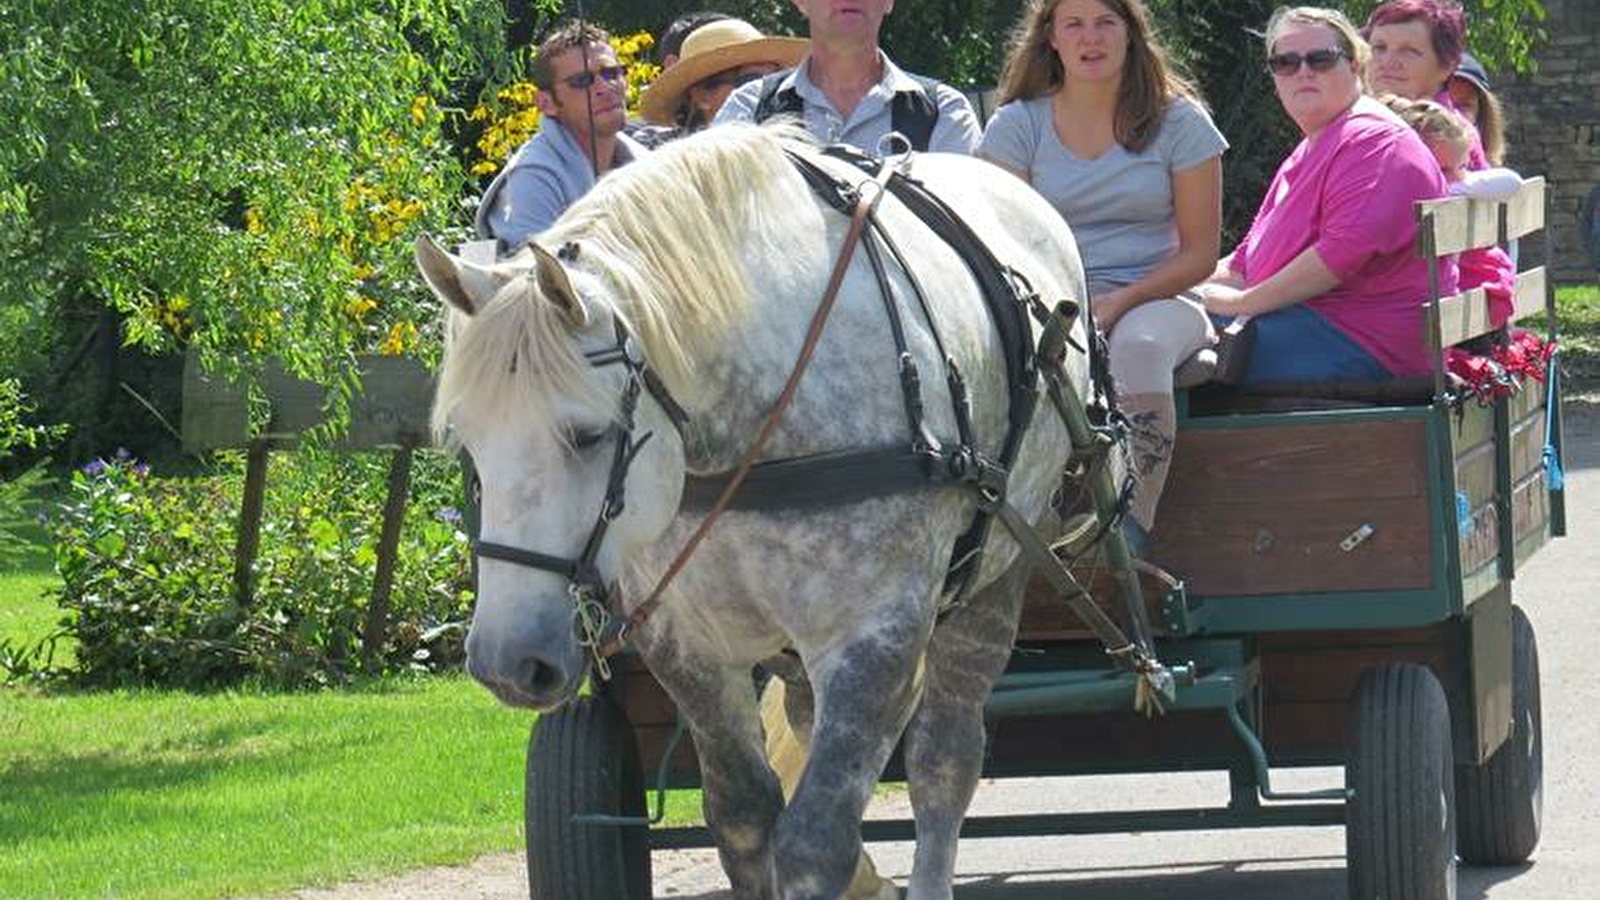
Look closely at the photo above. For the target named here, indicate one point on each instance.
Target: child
(1447, 135)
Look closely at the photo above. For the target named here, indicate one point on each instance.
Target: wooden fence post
(250, 512)
(394, 512)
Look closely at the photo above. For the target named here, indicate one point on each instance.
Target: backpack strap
(776, 102)
(915, 113)
(912, 113)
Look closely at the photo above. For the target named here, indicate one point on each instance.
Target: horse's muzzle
(523, 680)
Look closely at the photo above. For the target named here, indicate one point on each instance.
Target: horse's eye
(588, 438)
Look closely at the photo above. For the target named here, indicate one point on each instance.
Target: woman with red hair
(1416, 47)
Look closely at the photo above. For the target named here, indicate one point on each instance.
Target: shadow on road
(1580, 427)
(1297, 877)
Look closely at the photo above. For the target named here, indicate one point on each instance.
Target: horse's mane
(666, 235)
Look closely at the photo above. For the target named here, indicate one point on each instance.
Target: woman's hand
(1222, 299)
(1109, 307)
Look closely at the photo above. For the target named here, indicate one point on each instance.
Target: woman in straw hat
(716, 58)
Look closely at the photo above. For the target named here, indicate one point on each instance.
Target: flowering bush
(147, 571)
(512, 116)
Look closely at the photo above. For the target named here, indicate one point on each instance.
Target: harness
(912, 113)
(855, 475)
(925, 461)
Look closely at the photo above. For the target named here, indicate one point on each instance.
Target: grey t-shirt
(1119, 204)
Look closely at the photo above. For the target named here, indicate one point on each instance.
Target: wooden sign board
(391, 409)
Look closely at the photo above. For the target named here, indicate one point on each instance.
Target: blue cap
(1473, 71)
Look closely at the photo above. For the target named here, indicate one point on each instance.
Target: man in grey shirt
(847, 90)
(582, 95)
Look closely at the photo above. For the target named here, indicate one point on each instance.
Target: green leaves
(147, 574)
(205, 149)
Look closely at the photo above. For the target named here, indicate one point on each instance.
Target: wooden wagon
(1347, 556)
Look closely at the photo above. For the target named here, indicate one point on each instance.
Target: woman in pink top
(1329, 269)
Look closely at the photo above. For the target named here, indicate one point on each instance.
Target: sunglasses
(585, 80)
(1285, 64)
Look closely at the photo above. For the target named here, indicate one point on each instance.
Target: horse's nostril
(544, 680)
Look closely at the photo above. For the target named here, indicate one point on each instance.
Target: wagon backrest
(1457, 224)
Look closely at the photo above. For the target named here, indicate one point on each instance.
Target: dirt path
(1559, 589)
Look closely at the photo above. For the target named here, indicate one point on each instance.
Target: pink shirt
(1349, 193)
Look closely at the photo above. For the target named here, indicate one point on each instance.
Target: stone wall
(1553, 124)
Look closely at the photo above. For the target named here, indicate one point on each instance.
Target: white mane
(666, 237)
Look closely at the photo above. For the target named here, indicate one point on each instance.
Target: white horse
(713, 254)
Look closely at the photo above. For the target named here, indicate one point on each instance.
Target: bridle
(585, 584)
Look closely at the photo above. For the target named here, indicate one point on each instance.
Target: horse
(645, 352)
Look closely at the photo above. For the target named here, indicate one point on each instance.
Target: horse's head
(577, 452)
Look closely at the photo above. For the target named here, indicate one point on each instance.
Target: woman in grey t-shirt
(1096, 121)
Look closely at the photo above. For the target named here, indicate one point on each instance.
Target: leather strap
(865, 204)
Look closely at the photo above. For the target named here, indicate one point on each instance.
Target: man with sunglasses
(582, 96)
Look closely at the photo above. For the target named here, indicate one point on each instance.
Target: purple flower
(141, 469)
(448, 514)
(122, 455)
(94, 468)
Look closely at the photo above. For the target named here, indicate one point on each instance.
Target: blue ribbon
(1550, 458)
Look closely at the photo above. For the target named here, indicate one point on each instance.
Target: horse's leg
(864, 688)
(786, 713)
(945, 737)
(741, 799)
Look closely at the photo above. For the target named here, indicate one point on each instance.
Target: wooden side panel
(1529, 294)
(1524, 212)
(1267, 509)
(1458, 224)
(1464, 316)
(1307, 680)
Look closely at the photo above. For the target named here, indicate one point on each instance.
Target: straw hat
(715, 47)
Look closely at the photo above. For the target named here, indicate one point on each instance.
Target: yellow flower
(400, 335)
(358, 306)
(421, 105)
(252, 221)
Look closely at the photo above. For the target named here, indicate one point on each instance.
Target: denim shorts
(1296, 344)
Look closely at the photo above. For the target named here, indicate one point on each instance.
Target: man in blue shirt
(582, 96)
(847, 90)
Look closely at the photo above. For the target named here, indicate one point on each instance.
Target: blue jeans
(1296, 344)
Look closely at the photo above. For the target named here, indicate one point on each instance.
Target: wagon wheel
(1499, 802)
(582, 760)
(1400, 838)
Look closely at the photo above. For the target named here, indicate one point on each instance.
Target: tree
(232, 177)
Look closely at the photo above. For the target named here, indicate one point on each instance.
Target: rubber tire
(1499, 804)
(582, 759)
(1400, 834)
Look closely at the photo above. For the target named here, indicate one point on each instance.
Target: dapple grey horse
(712, 255)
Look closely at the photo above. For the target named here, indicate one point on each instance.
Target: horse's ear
(556, 286)
(459, 282)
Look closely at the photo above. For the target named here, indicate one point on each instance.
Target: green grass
(27, 614)
(154, 795)
(162, 795)
(1578, 320)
